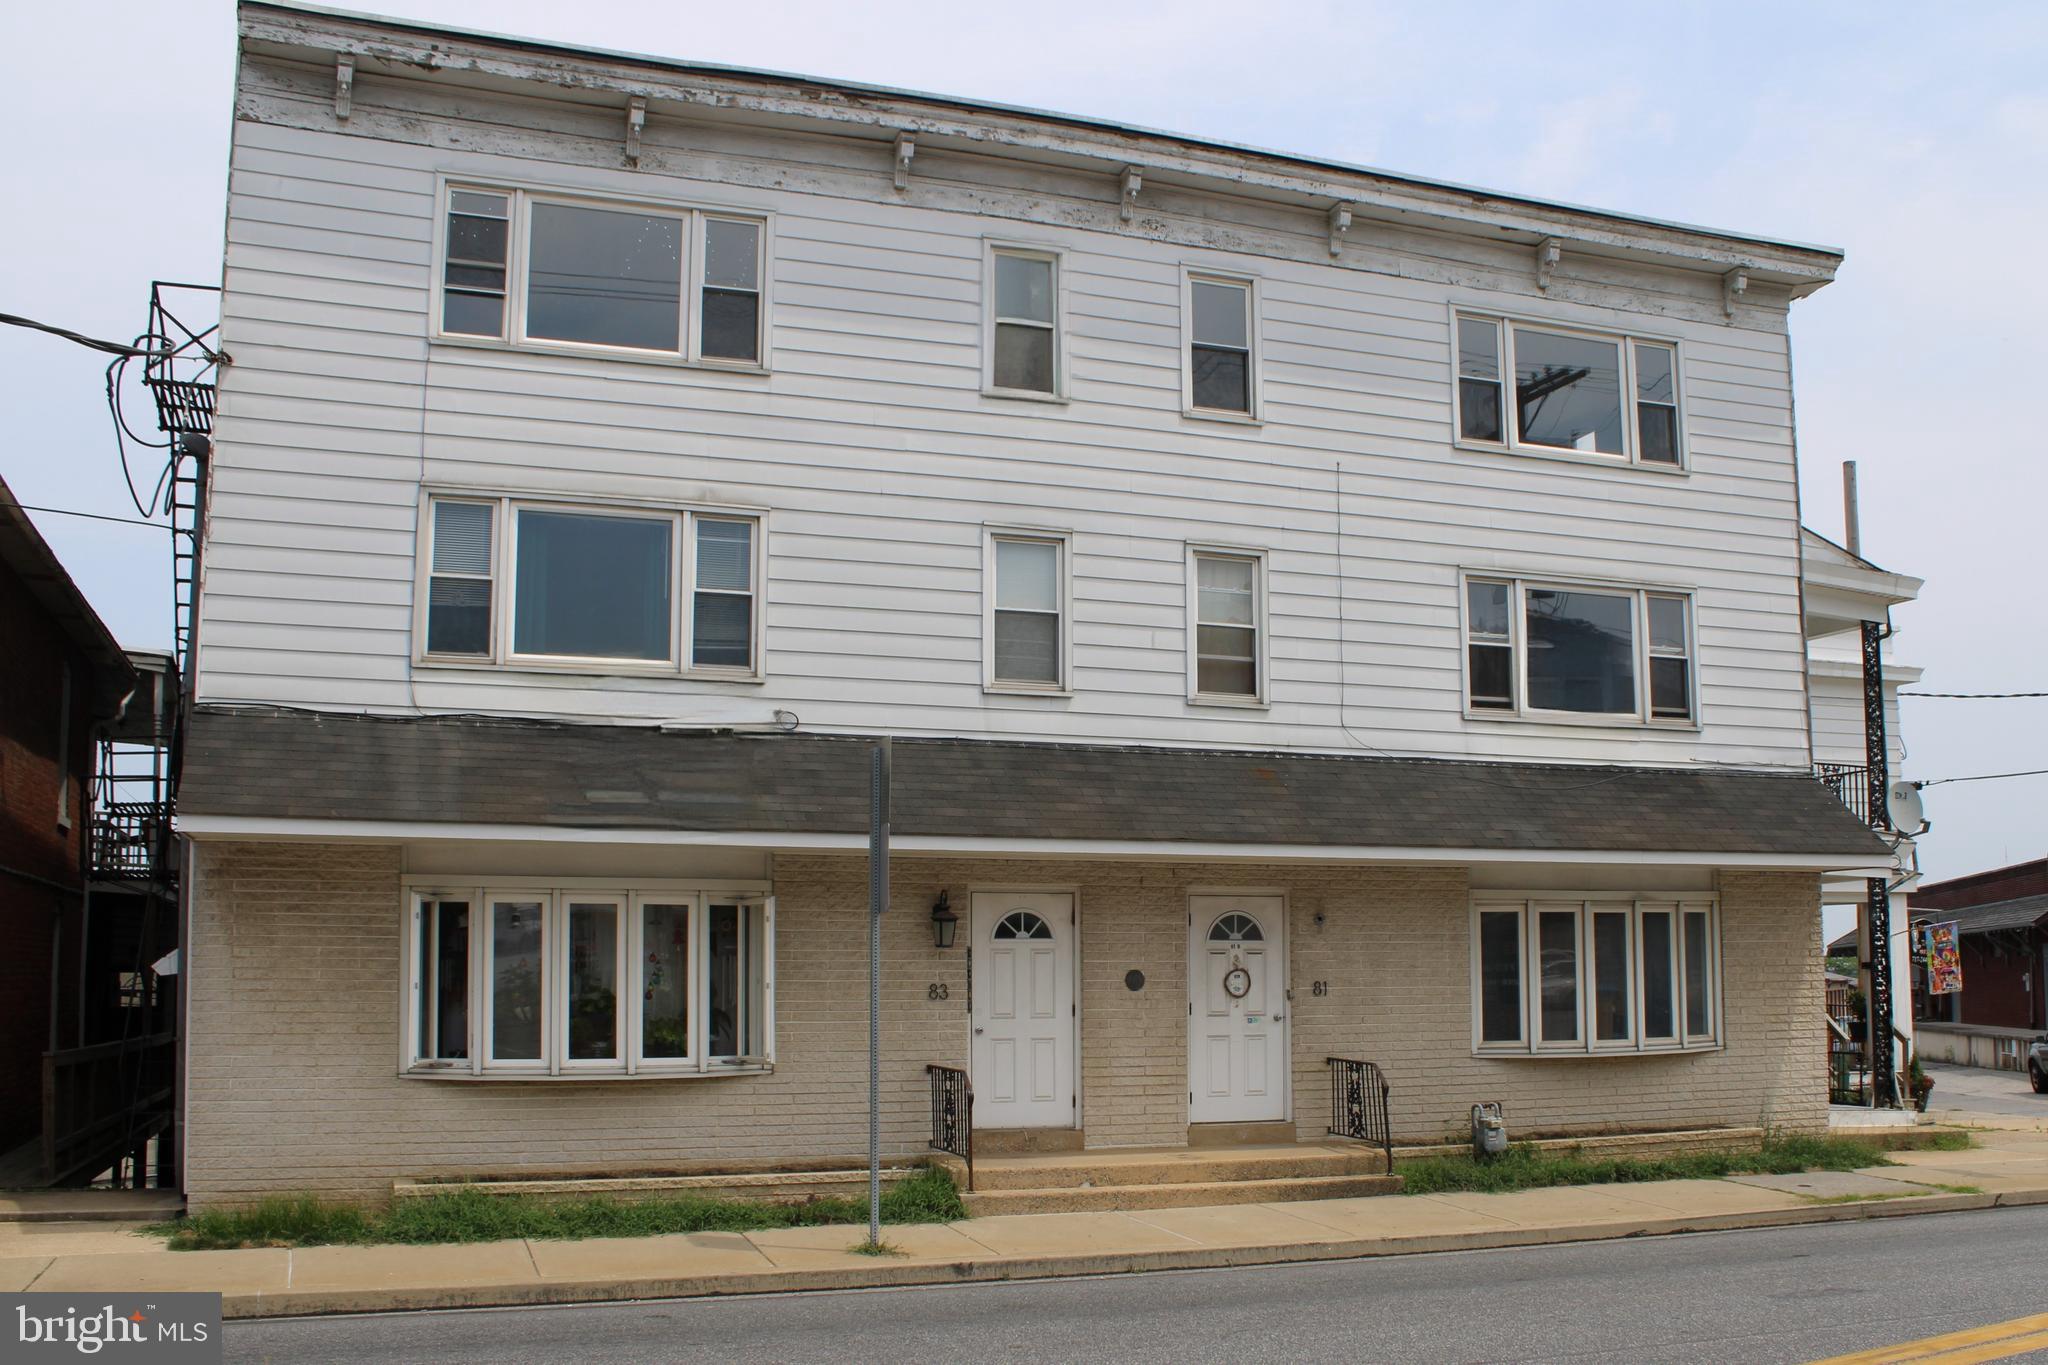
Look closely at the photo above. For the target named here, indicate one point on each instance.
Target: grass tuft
(1948, 1140)
(1524, 1167)
(468, 1215)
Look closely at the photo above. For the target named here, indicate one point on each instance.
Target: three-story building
(1317, 613)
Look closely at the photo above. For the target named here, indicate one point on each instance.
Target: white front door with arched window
(1237, 1009)
(1022, 1062)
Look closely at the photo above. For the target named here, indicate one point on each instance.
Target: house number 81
(1319, 988)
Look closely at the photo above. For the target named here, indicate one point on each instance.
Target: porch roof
(253, 771)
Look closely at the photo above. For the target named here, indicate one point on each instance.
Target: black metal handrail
(1850, 782)
(1358, 1104)
(130, 840)
(952, 1114)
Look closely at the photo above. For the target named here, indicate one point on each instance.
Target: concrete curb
(885, 1274)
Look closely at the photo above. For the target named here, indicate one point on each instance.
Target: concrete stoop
(90, 1206)
(1174, 1177)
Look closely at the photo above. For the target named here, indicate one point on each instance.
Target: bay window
(1542, 388)
(564, 584)
(530, 982)
(1570, 651)
(559, 271)
(1595, 976)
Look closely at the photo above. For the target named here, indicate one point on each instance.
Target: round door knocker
(1237, 983)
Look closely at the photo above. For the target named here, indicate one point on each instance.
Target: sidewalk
(2009, 1167)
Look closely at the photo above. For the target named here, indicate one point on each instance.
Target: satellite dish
(1908, 815)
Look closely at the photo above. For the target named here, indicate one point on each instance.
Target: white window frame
(556, 895)
(1585, 906)
(1063, 541)
(699, 253)
(513, 335)
(991, 249)
(1504, 324)
(504, 587)
(1519, 585)
(1261, 646)
(1254, 412)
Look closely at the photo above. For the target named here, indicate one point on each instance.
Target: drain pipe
(878, 901)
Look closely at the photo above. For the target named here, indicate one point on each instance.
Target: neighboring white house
(1842, 591)
(1319, 613)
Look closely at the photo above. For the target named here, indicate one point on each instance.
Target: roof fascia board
(239, 827)
(714, 92)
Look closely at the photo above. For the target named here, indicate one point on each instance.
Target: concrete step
(1099, 1198)
(1173, 1166)
(766, 1186)
(90, 1206)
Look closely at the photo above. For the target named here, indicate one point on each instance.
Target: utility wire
(1984, 777)
(110, 347)
(96, 516)
(1976, 696)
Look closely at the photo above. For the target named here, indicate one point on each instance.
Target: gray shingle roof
(1983, 919)
(311, 766)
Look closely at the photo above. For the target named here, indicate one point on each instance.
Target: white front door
(1023, 983)
(1237, 1015)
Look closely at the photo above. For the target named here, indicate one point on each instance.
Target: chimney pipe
(1851, 522)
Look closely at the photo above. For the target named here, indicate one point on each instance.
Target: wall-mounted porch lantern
(944, 923)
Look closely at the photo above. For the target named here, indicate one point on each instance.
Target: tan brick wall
(295, 953)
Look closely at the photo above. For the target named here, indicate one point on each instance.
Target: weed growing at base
(462, 1215)
(1524, 1167)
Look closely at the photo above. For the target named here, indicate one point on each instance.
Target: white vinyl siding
(883, 461)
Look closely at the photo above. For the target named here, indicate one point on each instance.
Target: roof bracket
(1549, 252)
(906, 149)
(1132, 182)
(1734, 285)
(636, 123)
(344, 85)
(1340, 223)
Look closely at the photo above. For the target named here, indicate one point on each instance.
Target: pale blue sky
(1914, 137)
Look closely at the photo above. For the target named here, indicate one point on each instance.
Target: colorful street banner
(1944, 963)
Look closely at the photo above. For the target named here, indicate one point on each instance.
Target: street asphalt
(1980, 1090)
(1777, 1294)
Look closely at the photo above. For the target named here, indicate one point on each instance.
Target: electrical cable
(110, 347)
(1976, 696)
(1983, 777)
(95, 516)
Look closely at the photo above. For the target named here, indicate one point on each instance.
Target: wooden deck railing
(102, 1102)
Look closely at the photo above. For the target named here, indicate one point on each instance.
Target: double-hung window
(530, 268)
(1226, 612)
(1568, 651)
(522, 581)
(1023, 342)
(1025, 613)
(539, 981)
(1595, 976)
(1545, 389)
(1222, 345)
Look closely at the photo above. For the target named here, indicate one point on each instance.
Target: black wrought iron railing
(1358, 1104)
(1850, 782)
(952, 1114)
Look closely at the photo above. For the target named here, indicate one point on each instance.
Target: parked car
(2037, 1065)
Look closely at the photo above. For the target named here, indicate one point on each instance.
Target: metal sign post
(878, 900)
